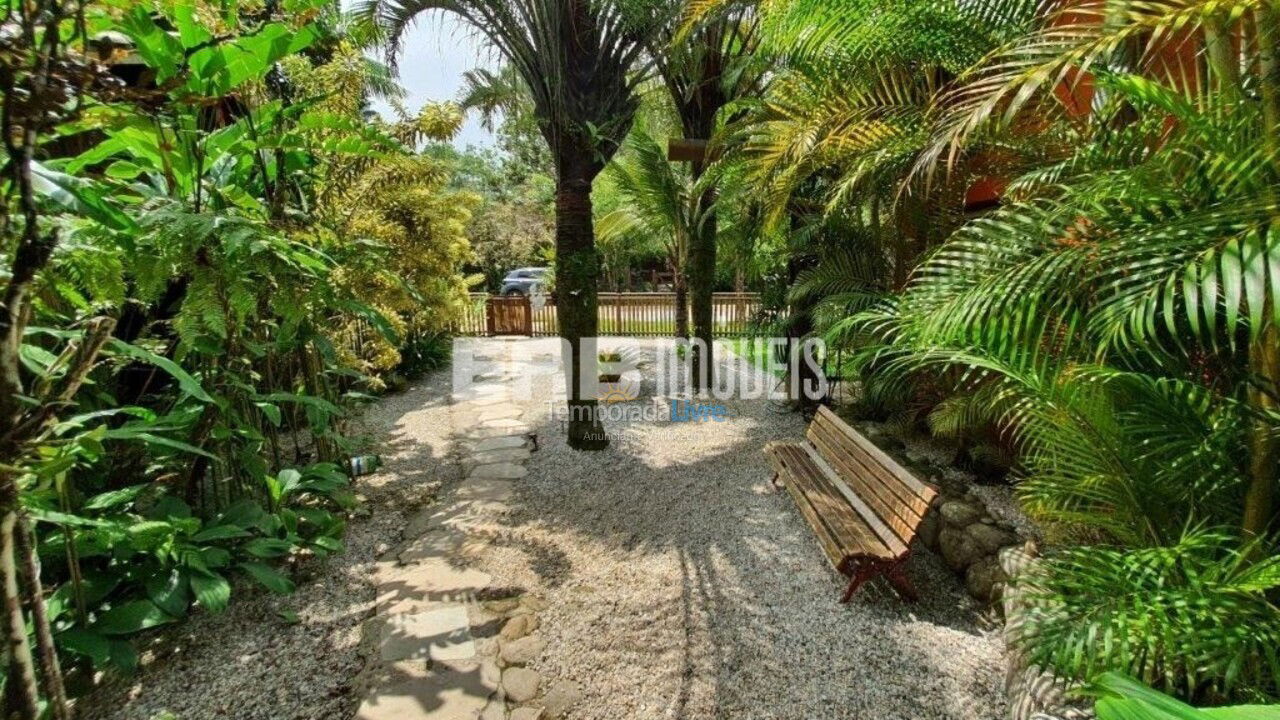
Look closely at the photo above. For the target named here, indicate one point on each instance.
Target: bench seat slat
(886, 482)
(900, 515)
(899, 472)
(890, 540)
(864, 508)
(853, 536)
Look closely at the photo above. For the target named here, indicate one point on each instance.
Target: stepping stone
(428, 583)
(514, 426)
(449, 691)
(499, 471)
(486, 431)
(520, 684)
(497, 413)
(442, 634)
(504, 442)
(495, 456)
(487, 490)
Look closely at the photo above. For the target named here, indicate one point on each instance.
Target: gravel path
(247, 663)
(680, 585)
(677, 584)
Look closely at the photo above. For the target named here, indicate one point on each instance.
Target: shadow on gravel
(727, 574)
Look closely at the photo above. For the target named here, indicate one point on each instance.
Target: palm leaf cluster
(1114, 318)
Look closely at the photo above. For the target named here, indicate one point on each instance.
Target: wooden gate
(509, 315)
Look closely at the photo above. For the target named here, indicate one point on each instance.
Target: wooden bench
(864, 507)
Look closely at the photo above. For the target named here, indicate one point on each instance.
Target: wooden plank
(857, 464)
(879, 456)
(898, 515)
(886, 534)
(841, 519)
(830, 545)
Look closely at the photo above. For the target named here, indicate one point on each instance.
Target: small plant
(1192, 619)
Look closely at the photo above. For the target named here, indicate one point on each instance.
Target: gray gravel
(247, 663)
(680, 585)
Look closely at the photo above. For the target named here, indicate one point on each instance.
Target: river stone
(957, 549)
(521, 684)
(960, 514)
(984, 578)
(562, 696)
(522, 651)
(990, 538)
(517, 627)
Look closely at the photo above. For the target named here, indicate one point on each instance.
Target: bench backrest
(886, 495)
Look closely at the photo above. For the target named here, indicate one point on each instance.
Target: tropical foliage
(1048, 228)
(209, 263)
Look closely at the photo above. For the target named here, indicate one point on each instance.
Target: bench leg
(897, 577)
(892, 571)
(863, 573)
(776, 480)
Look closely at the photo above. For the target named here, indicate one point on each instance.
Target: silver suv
(525, 281)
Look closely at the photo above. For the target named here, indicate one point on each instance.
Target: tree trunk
(577, 270)
(682, 302)
(1264, 449)
(22, 696)
(702, 280)
(50, 669)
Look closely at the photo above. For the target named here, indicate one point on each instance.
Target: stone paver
(498, 471)
(428, 596)
(443, 693)
(443, 634)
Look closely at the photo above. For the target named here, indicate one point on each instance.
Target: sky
(435, 53)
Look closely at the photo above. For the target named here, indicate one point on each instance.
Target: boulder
(960, 513)
(985, 579)
(990, 538)
(518, 626)
(930, 526)
(957, 549)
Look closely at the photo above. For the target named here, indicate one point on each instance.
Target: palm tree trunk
(577, 271)
(702, 279)
(682, 302)
(1264, 450)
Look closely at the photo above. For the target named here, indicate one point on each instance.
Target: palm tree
(579, 60)
(705, 66)
(658, 201)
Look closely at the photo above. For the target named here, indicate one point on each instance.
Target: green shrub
(1192, 619)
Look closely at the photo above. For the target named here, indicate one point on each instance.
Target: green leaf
(128, 433)
(290, 617)
(272, 412)
(268, 547)
(212, 591)
(95, 646)
(114, 498)
(168, 590)
(269, 578)
(131, 617)
(219, 532)
(189, 384)
(80, 196)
